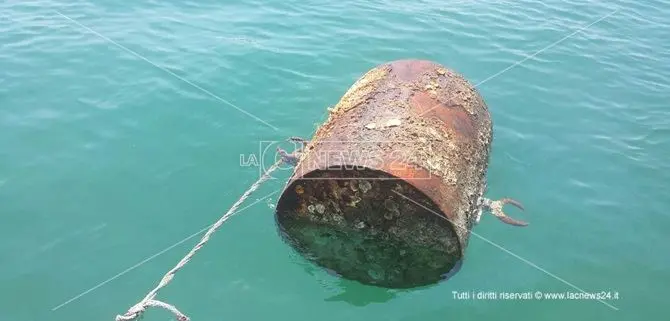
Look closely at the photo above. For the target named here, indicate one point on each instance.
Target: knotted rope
(149, 300)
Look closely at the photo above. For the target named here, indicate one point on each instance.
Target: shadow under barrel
(387, 190)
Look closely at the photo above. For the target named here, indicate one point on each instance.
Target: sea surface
(122, 124)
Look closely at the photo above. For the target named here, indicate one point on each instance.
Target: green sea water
(122, 124)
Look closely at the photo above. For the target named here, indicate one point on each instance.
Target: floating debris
(371, 126)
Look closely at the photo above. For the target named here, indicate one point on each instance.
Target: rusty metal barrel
(387, 190)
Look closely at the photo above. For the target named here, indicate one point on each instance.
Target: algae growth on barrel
(388, 188)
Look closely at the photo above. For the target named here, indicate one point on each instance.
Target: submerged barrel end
(370, 226)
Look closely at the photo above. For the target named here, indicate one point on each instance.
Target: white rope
(138, 309)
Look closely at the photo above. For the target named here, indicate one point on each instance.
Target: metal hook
(496, 208)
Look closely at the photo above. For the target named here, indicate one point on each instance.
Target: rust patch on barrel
(452, 116)
(409, 70)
